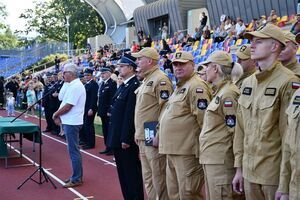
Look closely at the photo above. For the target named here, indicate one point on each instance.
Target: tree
(49, 18)
(7, 39)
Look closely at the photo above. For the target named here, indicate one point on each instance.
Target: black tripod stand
(40, 168)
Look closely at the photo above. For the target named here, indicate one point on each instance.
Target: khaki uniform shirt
(216, 138)
(245, 75)
(261, 123)
(290, 164)
(150, 97)
(182, 119)
(294, 66)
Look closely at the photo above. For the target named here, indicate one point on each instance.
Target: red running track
(100, 175)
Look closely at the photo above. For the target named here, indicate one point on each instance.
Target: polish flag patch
(295, 85)
(228, 104)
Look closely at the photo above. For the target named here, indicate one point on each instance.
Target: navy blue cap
(49, 74)
(81, 75)
(105, 69)
(88, 71)
(127, 59)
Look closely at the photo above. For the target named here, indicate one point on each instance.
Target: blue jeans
(72, 137)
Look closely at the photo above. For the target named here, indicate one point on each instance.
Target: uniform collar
(180, 83)
(292, 65)
(261, 76)
(245, 75)
(217, 87)
(151, 71)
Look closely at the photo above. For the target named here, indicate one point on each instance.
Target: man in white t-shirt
(70, 115)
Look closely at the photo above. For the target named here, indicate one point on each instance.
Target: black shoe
(105, 151)
(47, 130)
(85, 147)
(110, 153)
(54, 132)
(81, 143)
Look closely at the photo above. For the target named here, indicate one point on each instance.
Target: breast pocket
(245, 102)
(179, 105)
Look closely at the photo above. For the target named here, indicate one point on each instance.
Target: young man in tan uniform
(288, 56)
(261, 118)
(150, 98)
(289, 185)
(244, 59)
(290, 170)
(216, 138)
(180, 126)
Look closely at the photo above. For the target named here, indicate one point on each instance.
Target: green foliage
(7, 39)
(49, 18)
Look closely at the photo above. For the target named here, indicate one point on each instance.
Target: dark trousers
(130, 172)
(48, 117)
(105, 123)
(87, 133)
(54, 128)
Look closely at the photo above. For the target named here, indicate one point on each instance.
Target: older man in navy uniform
(87, 134)
(106, 92)
(121, 132)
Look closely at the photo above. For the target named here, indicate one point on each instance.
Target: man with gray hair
(70, 115)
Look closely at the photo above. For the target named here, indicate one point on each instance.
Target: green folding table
(24, 128)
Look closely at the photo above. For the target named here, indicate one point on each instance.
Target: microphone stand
(40, 168)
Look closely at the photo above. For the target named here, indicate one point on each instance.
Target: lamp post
(68, 35)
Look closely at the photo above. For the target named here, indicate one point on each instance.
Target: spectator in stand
(156, 45)
(180, 36)
(227, 25)
(57, 62)
(31, 99)
(175, 38)
(262, 21)
(240, 28)
(255, 24)
(165, 48)
(164, 31)
(203, 21)
(167, 64)
(197, 34)
(206, 33)
(135, 47)
(12, 86)
(10, 105)
(273, 17)
(140, 35)
(220, 34)
(147, 41)
(296, 26)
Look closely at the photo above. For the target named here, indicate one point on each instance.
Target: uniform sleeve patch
(270, 91)
(230, 120)
(296, 100)
(228, 103)
(247, 91)
(202, 104)
(164, 94)
(199, 90)
(163, 83)
(150, 83)
(295, 85)
(217, 101)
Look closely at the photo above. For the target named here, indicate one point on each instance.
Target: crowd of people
(229, 127)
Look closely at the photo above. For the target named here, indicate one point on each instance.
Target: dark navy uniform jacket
(91, 96)
(121, 126)
(106, 93)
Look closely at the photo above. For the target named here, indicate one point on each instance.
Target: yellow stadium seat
(210, 41)
(238, 42)
(152, 44)
(195, 47)
(203, 52)
(204, 46)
